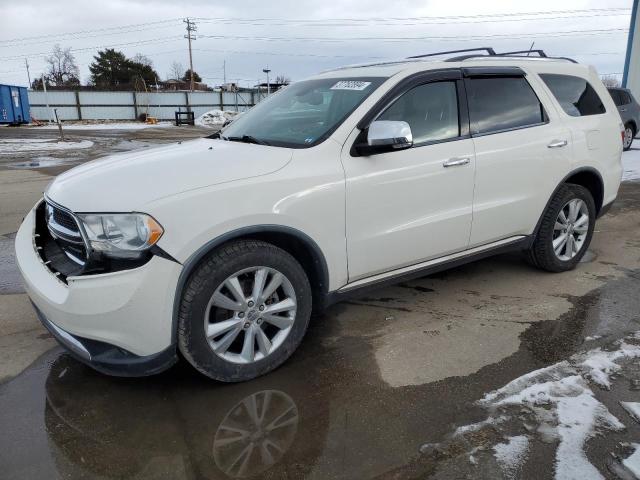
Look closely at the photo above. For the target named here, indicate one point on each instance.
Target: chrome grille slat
(65, 229)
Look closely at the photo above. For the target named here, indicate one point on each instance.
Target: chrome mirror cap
(390, 133)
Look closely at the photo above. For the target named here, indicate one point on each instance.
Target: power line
(84, 49)
(387, 23)
(448, 17)
(80, 32)
(432, 37)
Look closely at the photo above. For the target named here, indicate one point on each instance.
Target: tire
(542, 253)
(630, 134)
(240, 260)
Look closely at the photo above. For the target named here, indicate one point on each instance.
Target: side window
(626, 98)
(502, 103)
(574, 94)
(617, 97)
(431, 110)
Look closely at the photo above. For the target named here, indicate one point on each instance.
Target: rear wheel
(629, 134)
(566, 230)
(244, 311)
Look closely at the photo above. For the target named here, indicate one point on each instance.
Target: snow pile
(631, 165)
(559, 401)
(11, 146)
(512, 454)
(215, 118)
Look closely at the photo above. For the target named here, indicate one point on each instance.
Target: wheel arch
(589, 178)
(299, 244)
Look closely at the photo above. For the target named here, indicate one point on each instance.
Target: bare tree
(610, 81)
(62, 69)
(282, 80)
(142, 60)
(176, 72)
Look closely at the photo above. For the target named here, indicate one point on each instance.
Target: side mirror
(386, 136)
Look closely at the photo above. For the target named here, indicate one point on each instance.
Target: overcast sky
(299, 37)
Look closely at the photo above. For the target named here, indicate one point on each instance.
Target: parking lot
(393, 384)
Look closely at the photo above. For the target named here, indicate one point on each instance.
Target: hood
(126, 182)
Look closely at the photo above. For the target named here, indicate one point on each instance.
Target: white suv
(221, 248)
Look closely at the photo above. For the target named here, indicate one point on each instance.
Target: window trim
(404, 86)
(511, 74)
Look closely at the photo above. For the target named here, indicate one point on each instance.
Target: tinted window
(617, 97)
(576, 96)
(625, 97)
(503, 103)
(431, 110)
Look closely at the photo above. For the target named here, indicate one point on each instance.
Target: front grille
(65, 219)
(60, 240)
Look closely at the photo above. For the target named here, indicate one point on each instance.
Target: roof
(389, 69)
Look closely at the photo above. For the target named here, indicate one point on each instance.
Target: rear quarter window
(575, 95)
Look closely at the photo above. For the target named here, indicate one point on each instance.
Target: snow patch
(10, 146)
(633, 409)
(512, 454)
(107, 126)
(632, 463)
(215, 118)
(631, 165)
(563, 405)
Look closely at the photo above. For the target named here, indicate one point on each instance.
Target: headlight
(121, 235)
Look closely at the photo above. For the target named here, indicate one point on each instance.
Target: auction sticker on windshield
(350, 85)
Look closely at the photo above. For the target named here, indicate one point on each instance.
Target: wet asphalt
(327, 411)
(331, 411)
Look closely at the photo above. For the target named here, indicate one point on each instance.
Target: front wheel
(244, 311)
(565, 231)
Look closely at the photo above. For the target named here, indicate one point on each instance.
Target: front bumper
(105, 319)
(107, 358)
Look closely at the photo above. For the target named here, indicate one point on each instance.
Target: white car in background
(220, 249)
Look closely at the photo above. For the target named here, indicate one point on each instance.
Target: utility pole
(191, 27)
(26, 64)
(267, 70)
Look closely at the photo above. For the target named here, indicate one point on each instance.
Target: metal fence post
(78, 108)
(186, 97)
(135, 105)
(221, 100)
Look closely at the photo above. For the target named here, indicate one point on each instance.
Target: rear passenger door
(522, 152)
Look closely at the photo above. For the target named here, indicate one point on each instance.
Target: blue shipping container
(14, 105)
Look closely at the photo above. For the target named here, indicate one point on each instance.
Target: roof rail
(517, 52)
(489, 50)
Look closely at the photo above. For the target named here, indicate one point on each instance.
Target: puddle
(41, 162)
(325, 414)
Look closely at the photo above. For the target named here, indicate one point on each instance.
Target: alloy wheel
(570, 230)
(628, 137)
(250, 314)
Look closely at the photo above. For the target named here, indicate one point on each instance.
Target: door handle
(558, 144)
(623, 109)
(456, 162)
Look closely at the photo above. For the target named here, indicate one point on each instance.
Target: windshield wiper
(246, 139)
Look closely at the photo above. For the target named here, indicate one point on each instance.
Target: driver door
(409, 206)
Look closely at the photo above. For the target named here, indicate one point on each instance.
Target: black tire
(541, 254)
(629, 125)
(207, 276)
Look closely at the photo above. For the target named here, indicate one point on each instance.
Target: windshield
(302, 114)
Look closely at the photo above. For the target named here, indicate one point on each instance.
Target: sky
(298, 38)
